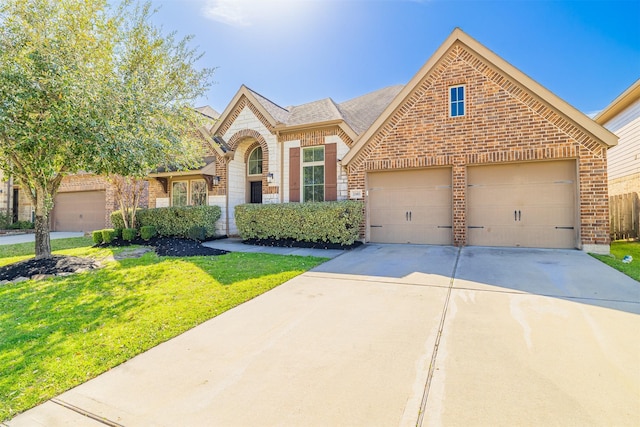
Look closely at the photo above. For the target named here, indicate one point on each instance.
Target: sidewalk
(236, 245)
(30, 237)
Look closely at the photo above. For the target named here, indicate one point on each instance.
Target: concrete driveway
(394, 335)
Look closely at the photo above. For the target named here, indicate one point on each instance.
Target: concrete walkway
(393, 335)
(11, 239)
(236, 245)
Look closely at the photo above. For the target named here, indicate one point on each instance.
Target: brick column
(459, 184)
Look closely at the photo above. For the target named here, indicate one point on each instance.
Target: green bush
(333, 222)
(97, 236)
(118, 222)
(128, 234)
(198, 233)
(147, 232)
(117, 233)
(108, 235)
(176, 221)
(21, 225)
(5, 219)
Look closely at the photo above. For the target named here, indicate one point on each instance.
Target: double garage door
(524, 204)
(79, 211)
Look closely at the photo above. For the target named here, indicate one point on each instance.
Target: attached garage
(410, 206)
(79, 211)
(522, 204)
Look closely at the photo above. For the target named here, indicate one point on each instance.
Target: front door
(256, 192)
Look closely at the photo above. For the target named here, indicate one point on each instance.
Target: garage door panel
(79, 211)
(411, 206)
(527, 204)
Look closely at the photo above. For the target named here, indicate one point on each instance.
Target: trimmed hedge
(147, 232)
(108, 235)
(128, 234)
(333, 222)
(97, 236)
(175, 221)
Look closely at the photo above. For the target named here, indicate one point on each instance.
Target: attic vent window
(456, 101)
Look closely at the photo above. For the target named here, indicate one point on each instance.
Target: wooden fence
(624, 211)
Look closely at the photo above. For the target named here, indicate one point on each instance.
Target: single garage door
(410, 206)
(524, 204)
(79, 211)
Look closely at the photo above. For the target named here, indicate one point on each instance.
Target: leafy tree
(88, 87)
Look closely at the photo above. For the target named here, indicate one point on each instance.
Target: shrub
(128, 234)
(5, 219)
(97, 236)
(333, 222)
(118, 222)
(147, 232)
(117, 233)
(176, 221)
(197, 233)
(21, 225)
(108, 234)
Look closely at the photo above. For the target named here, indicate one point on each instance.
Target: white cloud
(230, 12)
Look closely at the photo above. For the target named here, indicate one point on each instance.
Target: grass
(618, 250)
(58, 333)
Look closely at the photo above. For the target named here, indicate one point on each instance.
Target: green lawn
(618, 250)
(61, 332)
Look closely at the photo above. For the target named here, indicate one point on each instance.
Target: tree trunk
(43, 239)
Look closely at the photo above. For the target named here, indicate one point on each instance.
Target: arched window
(255, 162)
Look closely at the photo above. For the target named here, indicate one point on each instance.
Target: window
(179, 193)
(313, 174)
(456, 101)
(255, 162)
(198, 193)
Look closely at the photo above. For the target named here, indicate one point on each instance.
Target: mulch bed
(55, 265)
(61, 265)
(289, 243)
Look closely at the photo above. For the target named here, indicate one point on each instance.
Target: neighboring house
(622, 117)
(84, 201)
(470, 152)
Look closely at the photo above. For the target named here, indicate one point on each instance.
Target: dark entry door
(256, 192)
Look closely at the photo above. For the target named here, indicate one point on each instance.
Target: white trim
(171, 195)
(261, 161)
(464, 100)
(304, 164)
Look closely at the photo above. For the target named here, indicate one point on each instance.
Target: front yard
(60, 332)
(619, 250)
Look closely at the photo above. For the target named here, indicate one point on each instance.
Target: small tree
(128, 192)
(84, 87)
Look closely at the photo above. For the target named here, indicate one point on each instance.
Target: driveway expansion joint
(87, 414)
(434, 356)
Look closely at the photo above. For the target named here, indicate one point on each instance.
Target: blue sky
(297, 51)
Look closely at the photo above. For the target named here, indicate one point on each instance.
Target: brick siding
(503, 123)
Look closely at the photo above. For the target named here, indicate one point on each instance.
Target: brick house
(470, 152)
(84, 201)
(622, 117)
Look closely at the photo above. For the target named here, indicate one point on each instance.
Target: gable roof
(628, 97)
(354, 116)
(208, 112)
(277, 112)
(458, 36)
(361, 112)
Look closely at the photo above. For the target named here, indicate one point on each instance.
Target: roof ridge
(265, 98)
